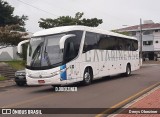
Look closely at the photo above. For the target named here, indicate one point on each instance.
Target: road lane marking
(124, 102)
(11, 89)
(8, 91)
(24, 102)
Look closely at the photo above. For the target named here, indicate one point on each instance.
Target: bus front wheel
(87, 76)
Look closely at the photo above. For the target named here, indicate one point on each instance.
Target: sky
(114, 13)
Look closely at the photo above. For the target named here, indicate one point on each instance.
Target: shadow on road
(111, 78)
(80, 85)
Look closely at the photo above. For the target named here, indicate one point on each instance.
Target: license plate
(41, 81)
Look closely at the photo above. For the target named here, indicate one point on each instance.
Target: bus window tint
(90, 42)
(76, 40)
(128, 45)
(104, 42)
(72, 46)
(107, 42)
(134, 45)
(70, 51)
(121, 44)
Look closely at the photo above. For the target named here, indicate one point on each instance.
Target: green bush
(2, 78)
(18, 65)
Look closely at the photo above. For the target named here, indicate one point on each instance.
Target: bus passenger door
(72, 67)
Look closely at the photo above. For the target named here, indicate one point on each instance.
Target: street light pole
(141, 41)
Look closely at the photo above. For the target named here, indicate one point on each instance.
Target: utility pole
(141, 41)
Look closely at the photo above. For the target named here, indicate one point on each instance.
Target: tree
(68, 20)
(123, 33)
(10, 37)
(7, 17)
(10, 25)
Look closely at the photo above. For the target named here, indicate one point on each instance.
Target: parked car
(20, 77)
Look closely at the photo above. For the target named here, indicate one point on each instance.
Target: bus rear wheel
(128, 70)
(87, 76)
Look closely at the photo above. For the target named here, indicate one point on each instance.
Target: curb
(6, 83)
(143, 65)
(126, 101)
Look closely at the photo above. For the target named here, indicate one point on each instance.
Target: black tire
(128, 70)
(20, 84)
(87, 76)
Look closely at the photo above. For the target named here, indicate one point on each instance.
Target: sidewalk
(7, 83)
(144, 104)
(151, 62)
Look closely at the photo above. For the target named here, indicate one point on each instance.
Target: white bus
(69, 54)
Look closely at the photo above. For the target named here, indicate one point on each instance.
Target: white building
(10, 52)
(150, 38)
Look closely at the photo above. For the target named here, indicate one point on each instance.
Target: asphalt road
(103, 93)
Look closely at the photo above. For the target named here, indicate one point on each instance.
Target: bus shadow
(26, 86)
(111, 78)
(48, 89)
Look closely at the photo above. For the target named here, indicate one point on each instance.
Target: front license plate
(41, 81)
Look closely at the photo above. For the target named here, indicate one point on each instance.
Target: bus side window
(134, 45)
(90, 42)
(69, 51)
(128, 45)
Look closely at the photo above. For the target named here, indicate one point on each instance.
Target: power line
(48, 3)
(37, 8)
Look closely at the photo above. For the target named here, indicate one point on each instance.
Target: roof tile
(144, 26)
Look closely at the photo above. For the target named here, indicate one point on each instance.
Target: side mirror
(63, 39)
(19, 47)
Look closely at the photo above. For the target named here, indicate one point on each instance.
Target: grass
(2, 78)
(18, 65)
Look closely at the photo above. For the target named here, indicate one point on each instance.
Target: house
(8, 53)
(150, 38)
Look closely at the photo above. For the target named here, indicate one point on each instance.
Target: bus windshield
(45, 51)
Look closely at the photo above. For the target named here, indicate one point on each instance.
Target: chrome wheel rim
(128, 70)
(87, 77)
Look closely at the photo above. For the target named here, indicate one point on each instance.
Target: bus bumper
(45, 81)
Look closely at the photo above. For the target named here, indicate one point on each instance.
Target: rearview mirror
(19, 47)
(63, 39)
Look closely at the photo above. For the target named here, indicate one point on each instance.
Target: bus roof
(72, 28)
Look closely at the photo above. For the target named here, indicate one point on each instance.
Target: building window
(147, 43)
(156, 41)
(157, 30)
(148, 32)
(133, 34)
